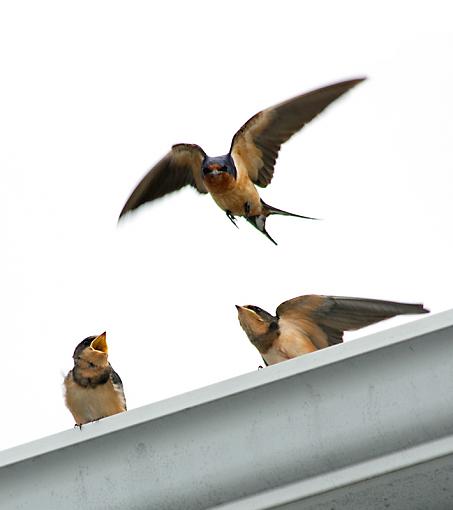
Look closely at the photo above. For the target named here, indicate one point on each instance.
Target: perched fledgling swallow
(93, 390)
(231, 179)
(307, 323)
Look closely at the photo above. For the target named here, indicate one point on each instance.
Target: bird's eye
(92, 365)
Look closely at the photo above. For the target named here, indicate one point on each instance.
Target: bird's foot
(260, 367)
(78, 426)
(231, 218)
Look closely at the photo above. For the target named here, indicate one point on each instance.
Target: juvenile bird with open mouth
(93, 390)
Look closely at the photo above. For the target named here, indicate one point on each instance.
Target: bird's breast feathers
(89, 404)
(232, 195)
(293, 341)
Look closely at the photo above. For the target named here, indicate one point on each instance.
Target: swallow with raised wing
(232, 179)
(93, 390)
(308, 323)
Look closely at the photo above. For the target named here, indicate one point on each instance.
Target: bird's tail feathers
(269, 209)
(259, 222)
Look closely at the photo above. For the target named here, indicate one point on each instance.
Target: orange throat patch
(219, 182)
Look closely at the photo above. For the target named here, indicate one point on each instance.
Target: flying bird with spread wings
(308, 323)
(232, 179)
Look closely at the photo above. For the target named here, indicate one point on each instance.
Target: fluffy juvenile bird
(93, 390)
(307, 323)
(232, 179)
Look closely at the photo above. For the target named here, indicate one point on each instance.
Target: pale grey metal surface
(417, 478)
(380, 406)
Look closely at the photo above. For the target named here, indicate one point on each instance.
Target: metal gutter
(326, 425)
(367, 484)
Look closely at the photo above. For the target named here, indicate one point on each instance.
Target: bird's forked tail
(259, 222)
(273, 210)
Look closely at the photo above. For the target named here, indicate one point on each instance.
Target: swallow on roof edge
(308, 323)
(93, 390)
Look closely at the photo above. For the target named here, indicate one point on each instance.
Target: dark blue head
(219, 164)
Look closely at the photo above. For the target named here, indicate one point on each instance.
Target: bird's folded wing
(180, 167)
(118, 385)
(336, 314)
(255, 146)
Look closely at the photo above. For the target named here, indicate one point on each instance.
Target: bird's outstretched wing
(180, 167)
(337, 314)
(255, 146)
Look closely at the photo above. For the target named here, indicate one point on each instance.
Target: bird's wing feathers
(302, 307)
(180, 167)
(118, 385)
(337, 314)
(258, 141)
(250, 150)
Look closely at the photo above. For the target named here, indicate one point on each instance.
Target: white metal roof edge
(228, 387)
(349, 475)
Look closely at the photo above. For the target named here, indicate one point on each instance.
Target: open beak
(100, 343)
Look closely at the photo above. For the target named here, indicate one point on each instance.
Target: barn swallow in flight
(307, 323)
(93, 389)
(231, 179)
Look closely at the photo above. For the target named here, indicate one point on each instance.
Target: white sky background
(94, 93)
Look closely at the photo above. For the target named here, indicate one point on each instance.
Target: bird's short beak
(214, 169)
(239, 308)
(100, 343)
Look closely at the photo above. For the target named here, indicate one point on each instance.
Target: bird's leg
(231, 218)
(247, 208)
